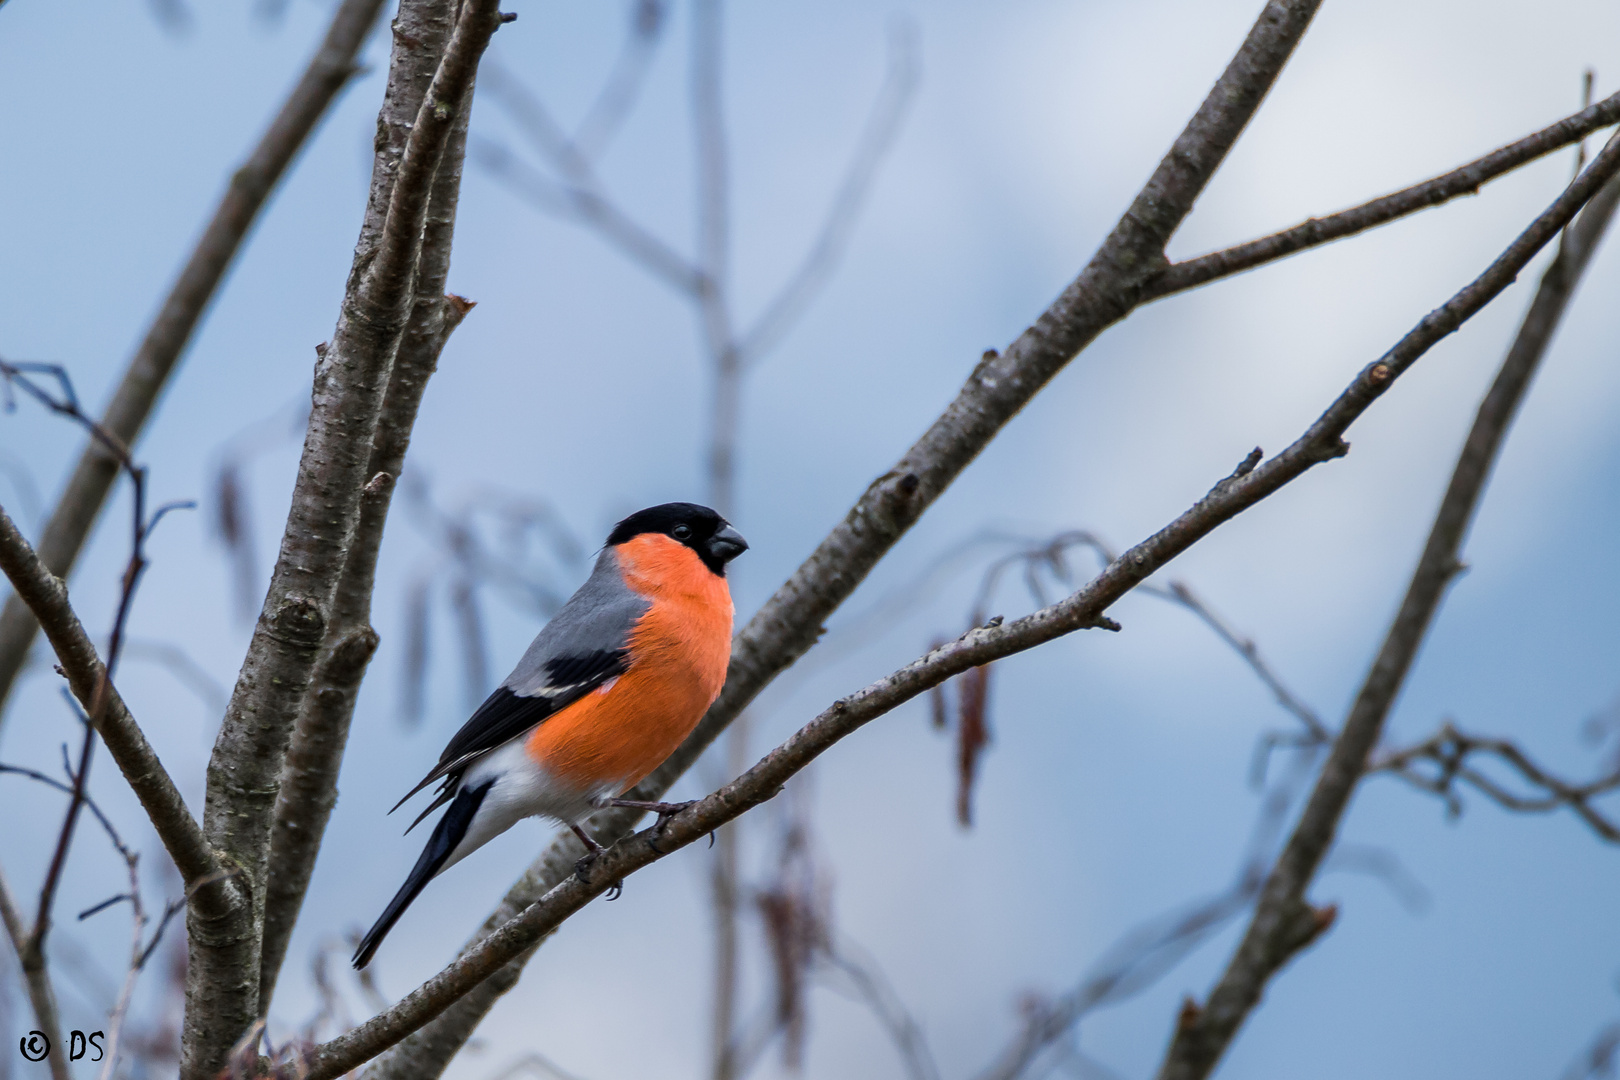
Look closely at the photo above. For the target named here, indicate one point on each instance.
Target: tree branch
(36, 980)
(1283, 923)
(47, 599)
(1449, 749)
(789, 623)
(1249, 484)
(329, 70)
(1246, 486)
(1464, 180)
(351, 377)
(309, 778)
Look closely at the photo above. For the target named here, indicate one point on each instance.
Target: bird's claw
(582, 870)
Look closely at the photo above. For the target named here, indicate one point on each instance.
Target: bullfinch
(609, 688)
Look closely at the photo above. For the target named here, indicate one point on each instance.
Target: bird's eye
(681, 532)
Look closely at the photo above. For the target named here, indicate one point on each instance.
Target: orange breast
(678, 656)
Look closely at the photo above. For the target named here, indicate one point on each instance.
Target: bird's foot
(664, 810)
(593, 851)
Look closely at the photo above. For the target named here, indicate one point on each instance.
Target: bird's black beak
(726, 545)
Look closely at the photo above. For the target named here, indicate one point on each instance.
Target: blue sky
(1115, 788)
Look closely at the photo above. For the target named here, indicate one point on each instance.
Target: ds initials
(36, 1045)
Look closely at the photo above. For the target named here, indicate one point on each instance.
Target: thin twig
(880, 999)
(65, 402)
(141, 949)
(1464, 180)
(47, 599)
(623, 86)
(36, 981)
(1449, 750)
(877, 137)
(1141, 956)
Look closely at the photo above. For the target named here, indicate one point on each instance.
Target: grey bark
(309, 780)
(351, 376)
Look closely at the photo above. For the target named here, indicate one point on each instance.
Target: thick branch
(350, 380)
(1274, 933)
(309, 780)
(1105, 291)
(149, 369)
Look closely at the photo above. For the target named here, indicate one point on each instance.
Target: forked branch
(1443, 760)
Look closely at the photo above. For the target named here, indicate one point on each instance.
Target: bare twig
(579, 194)
(1283, 923)
(1464, 180)
(623, 86)
(873, 990)
(1143, 954)
(33, 584)
(184, 668)
(1449, 751)
(534, 1064)
(832, 240)
(251, 185)
(1598, 1059)
(1049, 557)
(36, 981)
(141, 948)
(90, 680)
(47, 599)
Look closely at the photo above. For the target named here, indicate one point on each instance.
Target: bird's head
(697, 527)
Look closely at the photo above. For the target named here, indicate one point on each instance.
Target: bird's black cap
(698, 527)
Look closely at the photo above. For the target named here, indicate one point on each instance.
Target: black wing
(505, 715)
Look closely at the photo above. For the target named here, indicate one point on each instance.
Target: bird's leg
(592, 851)
(592, 848)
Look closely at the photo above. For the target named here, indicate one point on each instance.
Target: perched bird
(608, 690)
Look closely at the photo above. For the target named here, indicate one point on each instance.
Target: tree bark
(351, 376)
(309, 780)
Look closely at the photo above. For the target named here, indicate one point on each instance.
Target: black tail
(446, 835)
